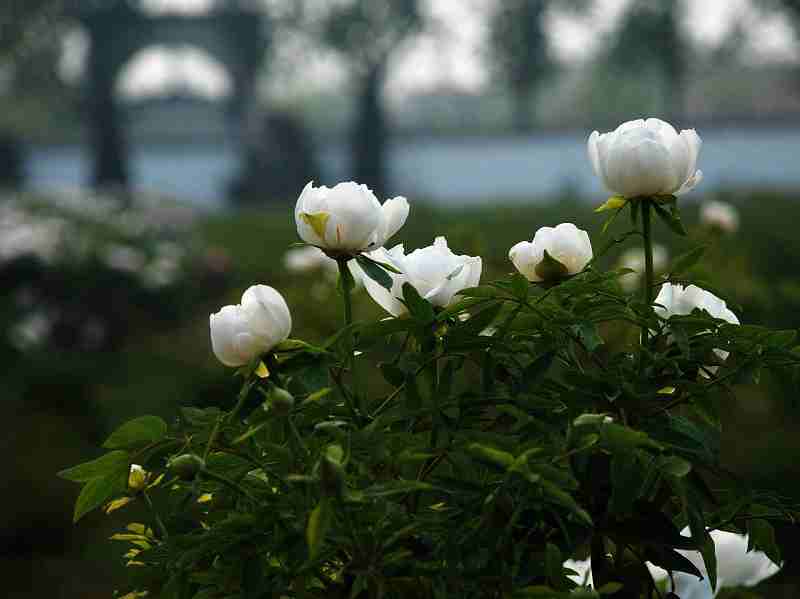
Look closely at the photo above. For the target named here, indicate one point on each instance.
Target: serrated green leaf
(110, 463)
(137, 432)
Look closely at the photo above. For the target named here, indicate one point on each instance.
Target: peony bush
(548, 434)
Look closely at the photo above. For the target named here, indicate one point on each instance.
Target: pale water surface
(446, 170)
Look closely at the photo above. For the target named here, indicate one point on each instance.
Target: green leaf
(136, 432)
(419, 308)
(703, 542)
(397, 487)
(550, 269)
(110, 463)
(253, 578)
(318, 524)
(612, 203)
(762, 537)
(318, 221)
(675, 466)
(490, 455)
(671, 217)
(671, 560)
(520, 286)
(375, 272)
(99, 490)
(588, 334)
(610, 588)
(685, 262)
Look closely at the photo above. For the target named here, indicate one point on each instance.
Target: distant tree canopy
(367, 33)
(21, 22)
(521, 51)
(650, 37)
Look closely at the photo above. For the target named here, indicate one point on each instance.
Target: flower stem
(346, 283)
(159, 522)
(647, 285)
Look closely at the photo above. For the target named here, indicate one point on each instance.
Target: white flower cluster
(640, 158)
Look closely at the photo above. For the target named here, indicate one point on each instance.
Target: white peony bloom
(646, 158)
(720, 215)
(735, 567)
(566, 244)
(240, 333)
(634, 259)
(434, 271)
(676, 300)
(347, 218)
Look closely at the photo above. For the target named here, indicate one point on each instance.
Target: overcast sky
(454, 57)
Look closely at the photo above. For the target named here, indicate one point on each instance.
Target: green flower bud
(186, 466)
(137, 479)
(331, 473)
(281, 401)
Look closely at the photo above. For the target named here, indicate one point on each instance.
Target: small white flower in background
(646, 158)
(434, 271)
(634, 259)
(32, 331)
(567, 246)
(124, 258)
(241, 332)
(310, 259)
(137, 478)
(720, 215)
(677, 300)
(347, 218)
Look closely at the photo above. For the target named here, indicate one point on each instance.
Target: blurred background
(151, 151)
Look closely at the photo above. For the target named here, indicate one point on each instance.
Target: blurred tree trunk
(370, 132)
(106, 131)
(523, 113)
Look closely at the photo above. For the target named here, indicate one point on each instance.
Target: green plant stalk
(346, 280)
(649, 276)
(159, 522)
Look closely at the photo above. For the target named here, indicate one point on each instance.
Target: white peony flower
(735, 567)
(347, 218)
(646, 158)
(566, 244)
(434, 271)
(720, 215)
(240, 333)
(634, 259)
(676, 300)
